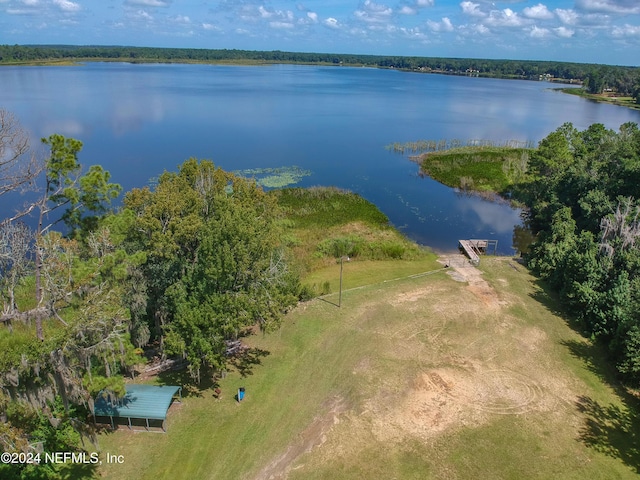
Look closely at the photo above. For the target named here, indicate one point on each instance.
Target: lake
(138, 120)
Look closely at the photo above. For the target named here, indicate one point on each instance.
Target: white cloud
(564, 32)
(313, 16)
(537, 32)
(277, 16)
(141, 15)
(412, 9)
(444, 25)
(331, 23)
(281, 25)
(373, 12)
(209, 26)
(568, 17)
(264, 13)
(67, 6)
(609, 6)
(148, 3)
(413, 33)
(24, 7)
(181, 19)
(504, 18)
(538, 12)
(407, 10)
(626, 31)
(472, 9)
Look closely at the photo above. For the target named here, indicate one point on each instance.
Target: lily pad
(275, 177)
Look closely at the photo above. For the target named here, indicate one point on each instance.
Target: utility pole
(340, 295)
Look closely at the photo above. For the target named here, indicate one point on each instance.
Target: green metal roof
(140, 401)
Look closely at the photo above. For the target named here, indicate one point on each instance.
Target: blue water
(138, 120)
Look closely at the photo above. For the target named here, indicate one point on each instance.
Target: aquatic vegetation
(275, 177)
(493, 169)
(426, 146)
(474, 165)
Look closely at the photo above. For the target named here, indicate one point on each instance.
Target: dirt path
(463, 271)
(312, 437)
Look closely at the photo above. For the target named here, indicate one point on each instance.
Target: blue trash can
(240, 394)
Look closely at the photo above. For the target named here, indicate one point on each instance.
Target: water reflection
(138, 120)
(495, 217)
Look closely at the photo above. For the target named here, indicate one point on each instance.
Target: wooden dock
(474, 248)
(470, 250)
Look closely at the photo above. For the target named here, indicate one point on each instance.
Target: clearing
(461, 374)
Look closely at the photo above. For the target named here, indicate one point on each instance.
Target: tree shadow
(594, 357)
(190, 387)
(611, 430)
(245, 359)
(76, 471)
(544, 295)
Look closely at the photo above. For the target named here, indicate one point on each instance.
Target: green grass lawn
(421, 377)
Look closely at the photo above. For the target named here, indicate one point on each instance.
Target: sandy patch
(463, 271)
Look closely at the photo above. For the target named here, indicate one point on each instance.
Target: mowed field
(462, 373)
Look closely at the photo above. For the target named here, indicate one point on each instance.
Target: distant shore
(603, 98)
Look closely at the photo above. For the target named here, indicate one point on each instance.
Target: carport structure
(141, 402)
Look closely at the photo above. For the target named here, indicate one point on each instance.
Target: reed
(428, 146)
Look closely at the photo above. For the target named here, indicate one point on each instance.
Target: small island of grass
(478, 166)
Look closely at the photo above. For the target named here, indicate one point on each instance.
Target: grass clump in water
(484, 169)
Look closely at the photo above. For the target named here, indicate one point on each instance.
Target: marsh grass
(493, 169)
(322, 224)
(472, 166)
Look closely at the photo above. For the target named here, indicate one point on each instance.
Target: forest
(187, 267)
(184, 268)
(582, 199)
(622, 80)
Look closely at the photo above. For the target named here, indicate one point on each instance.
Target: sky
(589, 31)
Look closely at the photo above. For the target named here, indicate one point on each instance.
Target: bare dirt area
(312, 437)
(458, 359)
(463, 271)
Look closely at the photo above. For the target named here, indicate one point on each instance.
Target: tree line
(599, 77)
(582, 199)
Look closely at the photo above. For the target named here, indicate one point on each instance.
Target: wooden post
(340, 294)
